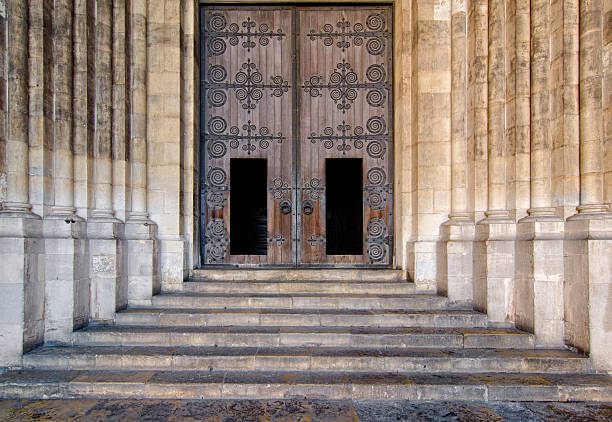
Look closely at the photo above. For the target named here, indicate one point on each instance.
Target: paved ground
(298, 410)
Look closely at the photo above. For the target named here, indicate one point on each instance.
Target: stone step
(168, 317)
(298, 301)
(305, 359)
(240, 336)
(313, 274)
(300, 286)
(283, 385)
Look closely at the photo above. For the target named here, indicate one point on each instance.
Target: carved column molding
(140, 232)
(591, 117)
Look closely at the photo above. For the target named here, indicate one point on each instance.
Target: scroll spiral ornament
(375, 22)
(217, 125)
(216, 22)
(376, 228)
(216, 149)
(376, 200)
(375, 98)
(216, 73)
(376, 73)
(216, 46)
(376, 176)
(376, 149)
(376, 125)
(216, 98)
(376, 252)
(216, 240)
(215, 200)
(216, 176)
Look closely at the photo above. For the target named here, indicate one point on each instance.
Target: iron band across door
(296, 135)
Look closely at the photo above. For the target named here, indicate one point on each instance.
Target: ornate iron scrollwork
(376, 188)
(316, 240)
(216, 176)
(377, 239)
(215, 200)
(375, 136)
(216, 241)
(374, 34)
(248, 83)
(216, 137)
(279, 239)
(344, 83)
(314, 188)
(279, 188)
(217, 31)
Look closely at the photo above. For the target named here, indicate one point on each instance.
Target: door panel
(344, 83)
(296, 87)
(247, 102)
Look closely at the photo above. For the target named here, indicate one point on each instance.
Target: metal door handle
(308, 207)
(285, 206)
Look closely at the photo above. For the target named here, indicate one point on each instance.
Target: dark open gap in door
(248, 206)
(344, 206)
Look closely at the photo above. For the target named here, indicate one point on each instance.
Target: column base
(422, 258)
(588, 287)
(456, 277)
(539, 278)
(142, 260)
(107, 266)
(22, 285)
(494, 268)
(67, 284)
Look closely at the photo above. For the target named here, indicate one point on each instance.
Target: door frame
(296, 5)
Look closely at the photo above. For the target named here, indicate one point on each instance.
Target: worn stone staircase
(356, 334)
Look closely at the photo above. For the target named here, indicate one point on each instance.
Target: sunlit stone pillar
(140, 231)
(458, 231)
(107, 269)
(588, 244)
(66, 270)
(494, 249)
(21, 247)
(539, 249)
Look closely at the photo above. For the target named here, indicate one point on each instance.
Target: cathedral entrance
(296, 136)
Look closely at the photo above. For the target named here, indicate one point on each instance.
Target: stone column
(458, 231)
(433, 139)
(140, 231)
(108, 281)
(66, 270)
(591, 118)
(494, 250)
(521, 110)
(164, 136)
(607, 102)
(539, 249)
(21, 247)
(588, 244)
(82, 126)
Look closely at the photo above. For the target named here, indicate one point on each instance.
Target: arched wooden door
(296, 136)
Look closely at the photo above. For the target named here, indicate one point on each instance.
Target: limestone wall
(503, 165)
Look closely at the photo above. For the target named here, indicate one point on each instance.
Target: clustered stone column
(107, 269)
(21, 246)
(495, 235)
(140, 231)
(588, 238)
(458, 232)
(539, 248)
(67, 276)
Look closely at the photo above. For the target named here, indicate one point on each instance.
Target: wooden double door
(296, 136)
